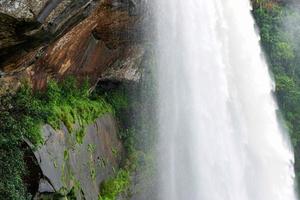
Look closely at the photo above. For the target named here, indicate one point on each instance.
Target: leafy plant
(110, 189)
(23, 113)
(279, 30)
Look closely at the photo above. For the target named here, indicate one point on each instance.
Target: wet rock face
(8, 31)
(97, 39)
(104, 39)
(29, 24)
(39, 10)
(13, 33)
(67, 165)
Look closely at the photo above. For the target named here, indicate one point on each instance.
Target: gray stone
(45, 187)
(68, 164)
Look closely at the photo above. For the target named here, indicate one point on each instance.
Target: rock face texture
(34, 24)
(26, 9)
(85, 38)
(91, 47)
(67, 165)
(97, 39)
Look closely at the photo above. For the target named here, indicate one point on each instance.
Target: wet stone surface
(67, 164)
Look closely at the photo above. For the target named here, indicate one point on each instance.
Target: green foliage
(21, 117)
(279, 29)
(110, 189)
(135, 114)
(70, 104)
(117, 98)
(12, 171)
(128, 137)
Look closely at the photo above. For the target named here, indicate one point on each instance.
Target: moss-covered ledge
(22, 115)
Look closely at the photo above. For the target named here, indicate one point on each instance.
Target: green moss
(73, 105)
(22, 114)
(80, 133)
(110, 189)
(91, 148)
(92, 171)
(118, 98)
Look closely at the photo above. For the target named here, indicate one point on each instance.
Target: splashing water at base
(219, 134)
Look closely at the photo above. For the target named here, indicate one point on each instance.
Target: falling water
(219, 134)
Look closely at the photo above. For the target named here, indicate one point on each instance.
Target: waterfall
(220, 138)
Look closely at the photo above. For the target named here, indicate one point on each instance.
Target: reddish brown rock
(108, 38)
(89, 48)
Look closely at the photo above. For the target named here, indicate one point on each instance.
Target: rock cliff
(66, 165)
(95, 39)
(52, 39)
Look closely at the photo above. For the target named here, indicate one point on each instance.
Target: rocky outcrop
(108, 44)
(33, 24)
(68, 166)
(100, 40)
(46, 12)
(82, 53)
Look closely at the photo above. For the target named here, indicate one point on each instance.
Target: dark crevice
(34, 172)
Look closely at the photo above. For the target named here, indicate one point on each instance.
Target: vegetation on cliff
(133, 108)
(25, 111)
(23, 114)
(279, 30)
(111, 188)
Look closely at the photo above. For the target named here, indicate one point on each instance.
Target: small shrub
(110, 189)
